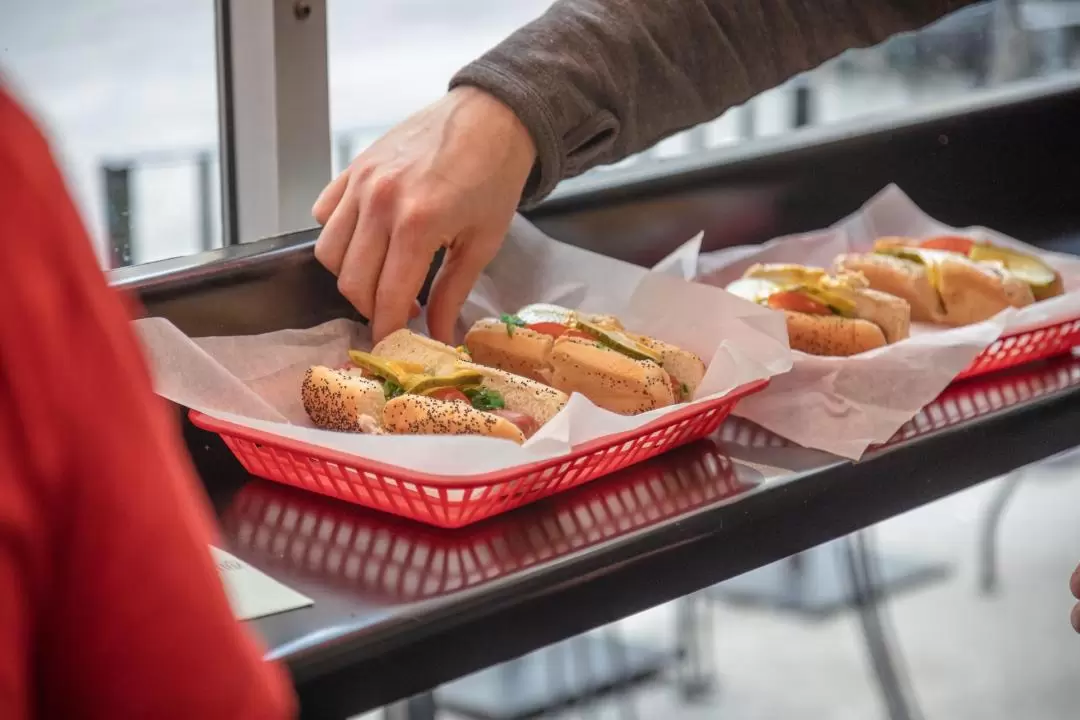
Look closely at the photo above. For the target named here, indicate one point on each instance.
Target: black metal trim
(190, 271)
(226, 123)
(116, 180)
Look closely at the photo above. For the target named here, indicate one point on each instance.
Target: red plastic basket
(455, 501)
(966, 401)
(1025, 347)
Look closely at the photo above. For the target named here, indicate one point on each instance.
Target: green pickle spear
(1031, 270)
(618, 341)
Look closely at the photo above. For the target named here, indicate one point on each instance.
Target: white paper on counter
(843, 405)
(255, 380)
(252, 593)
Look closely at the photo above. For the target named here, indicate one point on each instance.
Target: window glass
(127, 92)
(389, 59)
(976, 50)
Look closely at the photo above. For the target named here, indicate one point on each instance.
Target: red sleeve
(110, 605)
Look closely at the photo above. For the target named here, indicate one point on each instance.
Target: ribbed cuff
(535, 114)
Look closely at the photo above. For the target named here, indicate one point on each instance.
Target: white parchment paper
(255, 380)
(843, 405)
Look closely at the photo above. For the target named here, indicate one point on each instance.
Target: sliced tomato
(557, 330)
(949, 243)
(449, 394)
(525, 424)
(676, 389)
(347, 366)
(798, 302)
(554, 329)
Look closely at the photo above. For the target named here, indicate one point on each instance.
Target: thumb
(465, 259)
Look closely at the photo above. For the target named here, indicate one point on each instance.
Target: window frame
(274, 115)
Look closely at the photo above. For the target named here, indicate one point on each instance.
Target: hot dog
(1044, 281)
(592, 354)
(827, 315)
(411, 384)
(952, 280)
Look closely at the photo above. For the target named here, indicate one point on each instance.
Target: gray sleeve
(597, 80)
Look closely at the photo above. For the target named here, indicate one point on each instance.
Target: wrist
(499, 121)
(532, 109)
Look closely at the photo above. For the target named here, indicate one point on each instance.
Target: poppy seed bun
(422, 415)
(518, 350)
(683, 365)
(336, 399)
(973, 292)
(832, 335)
(903, 278)
(522, 394)
(610, 379)
(888, 312)
(412, 347)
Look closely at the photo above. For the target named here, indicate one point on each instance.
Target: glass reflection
(397, 561)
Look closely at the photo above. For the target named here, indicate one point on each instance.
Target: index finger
(1074, 583)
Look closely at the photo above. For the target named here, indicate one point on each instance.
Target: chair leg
(624, 697)
(861, 573)
(694, 635)
(581, 675)
(988, 532)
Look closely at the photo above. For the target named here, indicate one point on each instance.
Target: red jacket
(110, 606)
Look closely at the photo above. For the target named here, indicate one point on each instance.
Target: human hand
(1074, 585)
(450, 176)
